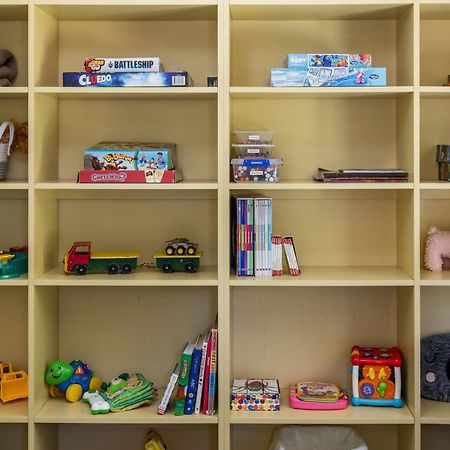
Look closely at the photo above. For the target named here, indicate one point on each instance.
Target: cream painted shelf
(435, 412)
(57, 411)
(14, 412)
(315, 185)
(428, 278)
(207, 276)
(19, 281)
(435, 185)
(318, 92)
(332, 276)
(351, 415)
(13, 185)
(72, 185)
(129, 92)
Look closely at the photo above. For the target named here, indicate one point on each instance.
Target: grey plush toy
(8, 68)
(435, 367)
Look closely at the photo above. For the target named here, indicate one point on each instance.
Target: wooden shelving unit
(360, 246)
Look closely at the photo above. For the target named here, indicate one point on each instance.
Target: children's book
(169, 390)
(193, 377)
(183, 380)
(206, 381)
(277, 255)
(201, 375)
(212, 372)
(291, 255)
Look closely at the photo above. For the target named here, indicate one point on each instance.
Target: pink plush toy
(437, 250)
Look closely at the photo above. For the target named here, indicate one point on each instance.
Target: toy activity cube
(376, 376)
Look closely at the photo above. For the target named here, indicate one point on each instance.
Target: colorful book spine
(206, 382)
(183, 380)
(212, 374)
(169, 390)
(291, 255)
(201, 375)
(277, 255)
(193, 378)
(258, 236)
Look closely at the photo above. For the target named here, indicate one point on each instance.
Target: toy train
(180, 255)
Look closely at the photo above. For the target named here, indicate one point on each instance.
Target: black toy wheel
(170, 250)
(81, 269)
(190, 267)
(113, 268)
(167, 267)
(181, 251)
(191, 250)
(126, 268)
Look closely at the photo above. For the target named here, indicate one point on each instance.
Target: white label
(253, 137)
(253, 150)
(178, 80)
(256, 172)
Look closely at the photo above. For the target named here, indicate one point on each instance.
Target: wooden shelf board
(13, 185)
(131, 92)
(317, 10)
(72, 185)
(207, 276)
(433, 412)
(314, 185)
(19, 281)
(428, 278)
(434, 91)
(332, 276)
(252, 93)
(434, 185)
(107, 10)
(13, 92)
(14, 412)
(350, 415)
(60, 411)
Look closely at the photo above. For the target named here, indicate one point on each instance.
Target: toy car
(181, 246)
(13, 263)
(175, 263)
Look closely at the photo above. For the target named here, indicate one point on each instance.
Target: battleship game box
(109, 65)
(125, 79)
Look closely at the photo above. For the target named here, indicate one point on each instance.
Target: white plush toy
(98, 404)
(437, 249)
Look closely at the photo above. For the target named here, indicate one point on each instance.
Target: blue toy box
(328, 77)
(304, 61)
(125, 79)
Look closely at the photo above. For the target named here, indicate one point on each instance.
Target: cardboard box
(255, 395)
(125, 79)
(328, 76)
(130, 156)
(304, 61)
(130, 176)
(110, 65)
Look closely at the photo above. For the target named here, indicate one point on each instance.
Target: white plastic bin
(253, 137)
(256, 169)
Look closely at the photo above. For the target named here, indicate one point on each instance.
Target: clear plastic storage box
(256, 169)
(253, 137)
(252, 150)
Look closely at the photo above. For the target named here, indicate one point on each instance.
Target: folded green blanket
(8, 67)
(127, 392)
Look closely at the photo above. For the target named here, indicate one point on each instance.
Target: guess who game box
(255, 395)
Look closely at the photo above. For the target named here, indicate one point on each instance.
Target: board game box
(306, 60)
(255, 395)
(125, 79)
(110, 65)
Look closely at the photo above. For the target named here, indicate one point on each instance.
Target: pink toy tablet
(313, 395)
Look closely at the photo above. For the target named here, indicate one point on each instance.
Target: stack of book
(196, 375)
(361, 175)
(252, 235)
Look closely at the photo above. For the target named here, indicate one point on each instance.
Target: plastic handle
(11, 133)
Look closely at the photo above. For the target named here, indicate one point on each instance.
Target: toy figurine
(180, 246)
(360, 77)
(13, 384)
(71, 380)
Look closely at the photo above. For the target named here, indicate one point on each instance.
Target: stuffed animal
(437, 249)
(8, 68)
(434, 366)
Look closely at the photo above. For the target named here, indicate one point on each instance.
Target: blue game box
(125, 79)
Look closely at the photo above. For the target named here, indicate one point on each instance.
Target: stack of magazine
(361, 175)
